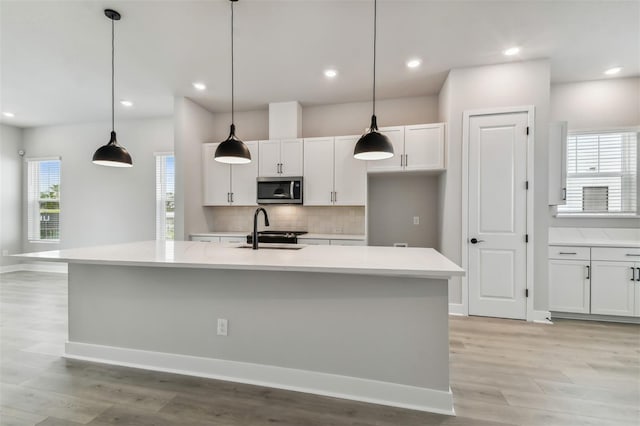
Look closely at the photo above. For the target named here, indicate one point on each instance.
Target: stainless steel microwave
(279, 190)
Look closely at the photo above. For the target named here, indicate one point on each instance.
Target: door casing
(530, 110)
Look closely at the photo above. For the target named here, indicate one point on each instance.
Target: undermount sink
(266, 246)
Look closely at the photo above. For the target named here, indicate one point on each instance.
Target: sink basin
(267, 246)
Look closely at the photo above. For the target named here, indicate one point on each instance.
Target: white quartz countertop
(303, 236)
(389, 261)
(595, 237)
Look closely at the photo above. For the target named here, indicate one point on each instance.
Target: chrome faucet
(254, 238)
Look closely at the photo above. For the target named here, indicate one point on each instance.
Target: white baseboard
(457, 309)
(333, 385)
(541, 317)
(56, 267)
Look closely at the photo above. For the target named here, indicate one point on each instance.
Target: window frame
(161, 199)
(604, 215)
(33, 205)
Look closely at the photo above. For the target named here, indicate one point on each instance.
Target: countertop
(303, 236)
(595, 237)
(384, 261)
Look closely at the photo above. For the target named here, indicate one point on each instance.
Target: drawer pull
(633, 273)
(638, 279)
(588, 272)
(567, 252)
(630, 254)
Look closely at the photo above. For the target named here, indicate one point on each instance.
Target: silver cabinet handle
(228, 197)
(332, 196)
(232, 197)
(335, 196)
(406, 160)
(564, 194)
(588, 272)
(638, 279)
(567, 252)
(632, 254)
(401, 160)
(633, 273)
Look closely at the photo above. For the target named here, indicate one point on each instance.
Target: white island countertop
(383, 261)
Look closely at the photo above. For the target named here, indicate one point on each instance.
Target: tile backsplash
(318, 220)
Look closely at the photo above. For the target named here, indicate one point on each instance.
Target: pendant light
(373, 145)
(112, 154)
(232, 150)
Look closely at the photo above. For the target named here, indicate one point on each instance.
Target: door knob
(475, 241)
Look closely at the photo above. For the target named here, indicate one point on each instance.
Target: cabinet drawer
(347, 243)
(617, 254)
(206, 239)
(569, 252)
(233, 240)
(314, 241)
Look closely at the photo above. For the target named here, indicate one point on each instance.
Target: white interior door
(497, 215)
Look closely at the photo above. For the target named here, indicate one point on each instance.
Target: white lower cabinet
(314, 241)
(205, 239)
(614, 288)
(348, 243)
(569, 287)
(233, 240)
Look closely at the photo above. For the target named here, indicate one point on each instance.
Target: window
(601, 173)
(165, 196)
(43, 200)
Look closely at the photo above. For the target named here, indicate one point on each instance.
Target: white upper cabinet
(416, 148)
(318, 171)
(331, 175)
(424, 147)
(350, 175)
(280, 157)
(225, 184)
(558, 163)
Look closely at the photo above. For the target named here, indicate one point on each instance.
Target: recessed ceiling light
(511, 51)
(613, 71)
(8, 114)
(414, 63)
(126, 103)
(199, 86)
(330, 73)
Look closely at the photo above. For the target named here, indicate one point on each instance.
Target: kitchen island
(363, 323)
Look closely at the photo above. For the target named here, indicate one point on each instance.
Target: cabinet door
(318, 172)
(424, 147)
(243, 179)
(269, 158)
(396, 135)
(612, 288)
(569, 287)
(291, 157)
(557, 163)
(216, 185)
(350, 175)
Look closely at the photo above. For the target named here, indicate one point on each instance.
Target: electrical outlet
(223, 326)
(5, 252)
(416, 220)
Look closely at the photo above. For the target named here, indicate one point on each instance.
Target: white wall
(102, 205)
(590, 105)
(513, 84)
(10, 188)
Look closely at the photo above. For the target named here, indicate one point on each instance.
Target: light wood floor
(502, 373)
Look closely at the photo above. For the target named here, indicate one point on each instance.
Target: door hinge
(526, 292)
(526, 238)
(526, 185)
(527, 129)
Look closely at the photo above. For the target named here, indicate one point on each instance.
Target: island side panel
(388, 329)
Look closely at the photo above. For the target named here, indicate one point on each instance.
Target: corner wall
(504, 85)
(11, 199)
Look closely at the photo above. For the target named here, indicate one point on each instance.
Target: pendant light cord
(232, 88)
(113, 127)
(375, 15)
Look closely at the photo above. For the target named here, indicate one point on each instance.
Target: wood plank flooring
(502, 373)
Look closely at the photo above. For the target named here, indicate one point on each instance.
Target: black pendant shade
(112, 154)
(232, 150)
(373, 145)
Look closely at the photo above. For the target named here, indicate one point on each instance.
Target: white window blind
(601, 173)
(165, 197)
(43, 200)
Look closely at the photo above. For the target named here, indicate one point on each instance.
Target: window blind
(601, 173)
(43, 200)
(165, 197)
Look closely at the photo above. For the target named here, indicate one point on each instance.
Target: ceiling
(55, 55)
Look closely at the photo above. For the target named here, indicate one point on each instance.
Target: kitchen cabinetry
(331, 241)
(558, 163)
(332, 175)
(594, 280)
(416, 148)
(225, 184)
(280, 157)
(615, 288)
